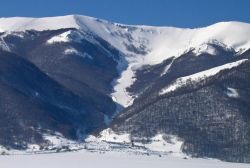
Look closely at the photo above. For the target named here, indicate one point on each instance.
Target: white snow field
(83, 159)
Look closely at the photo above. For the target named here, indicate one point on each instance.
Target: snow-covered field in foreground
(82, 159)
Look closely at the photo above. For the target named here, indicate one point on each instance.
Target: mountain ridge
(74, 17)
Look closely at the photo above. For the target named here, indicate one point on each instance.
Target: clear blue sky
(181, 13)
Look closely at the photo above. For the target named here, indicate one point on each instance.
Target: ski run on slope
(180, 82)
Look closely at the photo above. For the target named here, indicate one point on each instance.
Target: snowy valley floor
(109, 150)
(87, 159)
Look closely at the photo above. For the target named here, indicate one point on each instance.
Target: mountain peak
(26, 23)
(45, 23)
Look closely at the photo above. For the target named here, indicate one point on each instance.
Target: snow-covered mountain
(142, 45)
(77, 75)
